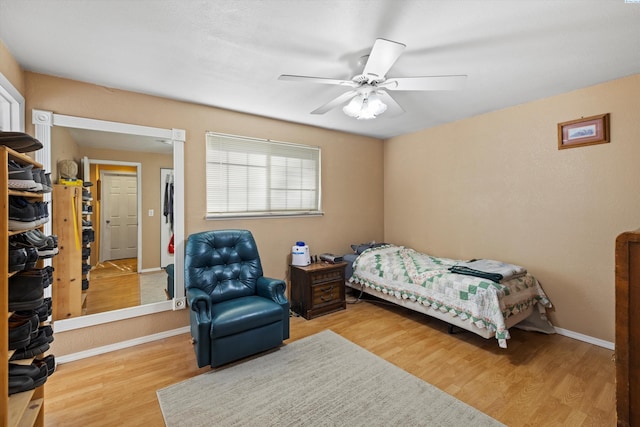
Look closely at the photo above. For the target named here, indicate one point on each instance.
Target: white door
(119, 218)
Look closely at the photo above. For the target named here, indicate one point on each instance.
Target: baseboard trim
(120, 345)
(186, 329)
(586, 338)
(151, 270)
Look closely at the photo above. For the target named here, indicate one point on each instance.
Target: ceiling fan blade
(321, 80)
(393, 108)
(425, 83)
(335, 102)
(382, 57)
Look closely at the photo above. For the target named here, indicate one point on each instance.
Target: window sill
(214, 217)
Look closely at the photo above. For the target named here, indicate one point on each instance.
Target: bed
(424, 283)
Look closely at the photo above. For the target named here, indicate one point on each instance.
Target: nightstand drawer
(321, 277)
(326, 293)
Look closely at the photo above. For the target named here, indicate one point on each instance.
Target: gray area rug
(321, 380)
(152, 286)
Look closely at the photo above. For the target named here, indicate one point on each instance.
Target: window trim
(268, 214)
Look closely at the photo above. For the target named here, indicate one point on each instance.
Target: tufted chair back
(223, 263)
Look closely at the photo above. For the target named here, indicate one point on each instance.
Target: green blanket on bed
(408, 274)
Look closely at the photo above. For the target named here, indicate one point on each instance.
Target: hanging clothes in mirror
(168, 200)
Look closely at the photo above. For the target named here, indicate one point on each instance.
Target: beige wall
(496, 186)
(351, 186)
(11, 69)
(66, 148)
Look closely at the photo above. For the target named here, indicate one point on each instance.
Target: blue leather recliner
(235, 310)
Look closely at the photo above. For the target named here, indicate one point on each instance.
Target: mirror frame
(43, 122)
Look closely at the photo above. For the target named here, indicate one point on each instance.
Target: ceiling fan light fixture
(353, 108)
(364, 107)
(368, 89)
(375, 104)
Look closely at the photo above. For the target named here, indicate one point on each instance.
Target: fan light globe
(353, 108)
(365, 107)
(376, 106)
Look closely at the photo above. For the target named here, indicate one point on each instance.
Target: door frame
(87, 170)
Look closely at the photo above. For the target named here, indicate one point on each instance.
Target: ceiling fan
(368, 95)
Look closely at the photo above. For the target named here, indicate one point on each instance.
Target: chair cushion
(241, 314)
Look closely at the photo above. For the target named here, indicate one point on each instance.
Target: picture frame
(584, 131)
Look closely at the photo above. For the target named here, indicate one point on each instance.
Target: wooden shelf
(27, 408)
(67, 225)
(23, 193)
(24, 409)
(32, 413)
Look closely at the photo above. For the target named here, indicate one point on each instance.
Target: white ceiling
(229, 53)
(120, 141)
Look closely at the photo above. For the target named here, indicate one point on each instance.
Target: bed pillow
(364, 246)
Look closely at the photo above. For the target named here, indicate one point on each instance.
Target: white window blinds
(257, 177)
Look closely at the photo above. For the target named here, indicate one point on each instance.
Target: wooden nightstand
(317, 289)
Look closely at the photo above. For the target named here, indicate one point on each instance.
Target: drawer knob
(326, 291)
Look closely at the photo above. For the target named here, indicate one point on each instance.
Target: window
(257, 177)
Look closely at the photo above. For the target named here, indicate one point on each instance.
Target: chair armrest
(273, 289)
(200, 320)
(200, 302)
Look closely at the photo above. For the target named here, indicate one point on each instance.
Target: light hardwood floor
(539, 380)
(113, 285)
(116, 284)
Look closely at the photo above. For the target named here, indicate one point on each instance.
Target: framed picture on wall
(585, 131)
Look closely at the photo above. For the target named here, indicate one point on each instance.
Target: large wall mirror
(137, 212)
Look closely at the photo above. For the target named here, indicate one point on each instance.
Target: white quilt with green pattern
(408, 274)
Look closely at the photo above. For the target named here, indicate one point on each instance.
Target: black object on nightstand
(317, 289)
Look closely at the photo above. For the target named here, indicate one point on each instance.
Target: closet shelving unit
(87, 212)
(26, 408)
(68, 298)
